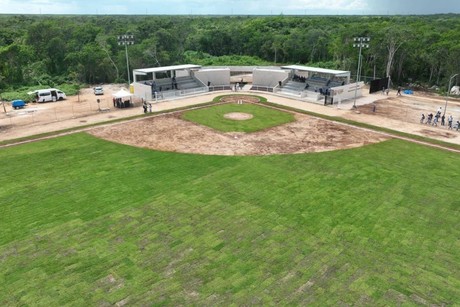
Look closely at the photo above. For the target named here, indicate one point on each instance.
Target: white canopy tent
(122, 94)
(122, 99)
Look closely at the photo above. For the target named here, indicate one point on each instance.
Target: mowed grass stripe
(101, 223)
(263, 117)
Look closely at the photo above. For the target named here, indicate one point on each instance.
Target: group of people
(299, 78)
(146, 106)
(238, 86)
(433, 120)
(119, 103)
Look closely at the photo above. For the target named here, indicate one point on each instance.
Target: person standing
(422, 119)
(435, 121)
(429, 118)
(443, 120)
(436, 118)
(399, 91)
(450, 119)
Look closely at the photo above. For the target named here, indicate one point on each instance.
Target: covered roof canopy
(337, 73)
(122, 94)
(142, 71)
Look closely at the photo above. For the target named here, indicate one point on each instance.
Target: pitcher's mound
(238, 116)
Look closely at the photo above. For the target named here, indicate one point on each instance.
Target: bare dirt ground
(171, 133)
(51, 116)
(408, 109)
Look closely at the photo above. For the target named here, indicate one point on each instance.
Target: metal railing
(263, 88)
(213, 88)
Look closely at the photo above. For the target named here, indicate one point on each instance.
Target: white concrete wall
(182, 73)
(215, 76)
(268, 77)
(347, 91)
(142, 91)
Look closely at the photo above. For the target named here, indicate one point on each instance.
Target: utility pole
(360, 43)
(125, 40)
(448, 91)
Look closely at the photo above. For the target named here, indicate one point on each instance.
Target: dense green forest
(40, 49)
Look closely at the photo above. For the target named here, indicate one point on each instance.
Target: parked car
(98, 90)
(18, 104)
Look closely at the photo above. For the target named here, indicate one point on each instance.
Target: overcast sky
(233, 7)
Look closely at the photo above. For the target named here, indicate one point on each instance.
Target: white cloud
(323, 4)
(38, 7)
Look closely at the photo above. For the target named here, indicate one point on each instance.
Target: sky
(233, 7)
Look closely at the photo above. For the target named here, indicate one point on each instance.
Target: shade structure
(122, 94)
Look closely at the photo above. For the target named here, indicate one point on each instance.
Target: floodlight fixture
(361, 42)
(126, 40)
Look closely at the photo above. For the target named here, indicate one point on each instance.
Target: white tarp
(122, 94)
(455, 90)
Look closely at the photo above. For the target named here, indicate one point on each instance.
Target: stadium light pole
(360, 43)
(125, 40)
(448, 91)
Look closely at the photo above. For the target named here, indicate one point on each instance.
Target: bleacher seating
(336, 83)
(185, 83)
(317, 84)
(182, 83)
(292, 87)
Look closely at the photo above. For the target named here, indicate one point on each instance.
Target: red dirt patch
(438, 133)
(170, 133)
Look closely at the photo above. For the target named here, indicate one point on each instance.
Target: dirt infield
(171, 133)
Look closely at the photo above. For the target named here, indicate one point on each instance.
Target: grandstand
(305, 79)
(311, 84)
(166, 82)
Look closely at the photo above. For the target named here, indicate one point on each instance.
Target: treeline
(84, 49)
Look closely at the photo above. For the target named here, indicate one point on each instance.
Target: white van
(50, 94)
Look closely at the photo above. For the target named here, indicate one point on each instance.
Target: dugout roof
(165, 68)
(336, 73)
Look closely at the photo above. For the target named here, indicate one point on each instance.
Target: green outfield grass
(89, 222)
(214, 117)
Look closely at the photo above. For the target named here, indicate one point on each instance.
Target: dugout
(317, 76)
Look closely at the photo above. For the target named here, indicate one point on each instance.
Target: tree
(394, 39)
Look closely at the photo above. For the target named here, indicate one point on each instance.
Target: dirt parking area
(74, 111)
